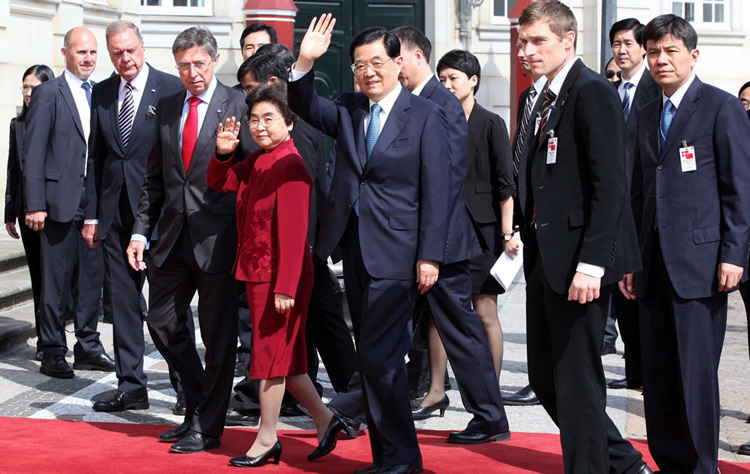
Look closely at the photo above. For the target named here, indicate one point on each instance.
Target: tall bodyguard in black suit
(450, 300)
(636, 88)
(122, 128)
(197, 238)
(694, 227)
(386, 208)
(54, 164)
(574, 178)
(14, 200)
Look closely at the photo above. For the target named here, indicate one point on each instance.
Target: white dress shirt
(82, 105)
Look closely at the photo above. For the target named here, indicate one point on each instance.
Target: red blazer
(273, 202)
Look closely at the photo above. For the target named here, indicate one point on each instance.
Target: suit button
(125, 159)
(660, 167)
(181, 211)
(82, 176)
(348, 207)
(187, 185)
(363, 182)
(83, 156)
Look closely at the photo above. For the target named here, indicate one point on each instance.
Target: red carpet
(36, 446)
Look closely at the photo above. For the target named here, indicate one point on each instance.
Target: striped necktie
(549, 100)
(522, 127)
(626, 100)
(125, 118)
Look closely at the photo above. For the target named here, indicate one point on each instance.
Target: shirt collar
(679, 94)
(418, 90)
(387, 102)
(139, 83)
(539, 84)
(557, 82)
(636, 79)
(207, 94)
(73, 81)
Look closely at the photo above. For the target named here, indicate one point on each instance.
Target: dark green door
(332, 73)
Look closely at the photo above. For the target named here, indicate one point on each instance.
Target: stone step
(16, 326)
(16, 297)
(15, 288)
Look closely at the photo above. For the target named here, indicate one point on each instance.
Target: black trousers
(326, 332)
(564, 340)
(381, 312)
(125, 285)
(682, 341)
(171, 288)
(32, 246)
(65, 257)
(627, 320)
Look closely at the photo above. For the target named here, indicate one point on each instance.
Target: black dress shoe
(744, 449)
(240, 418)
(39, 356)
(258, 461)
(241, 368)
(523, 397)
(56, 367)
(291, 409)
(422, 413)
(101, 362)
(473, 436)
(175, 434)
(625, 383)
(195, 442)
(121, 401)
(328, 443)
(179, 405)
(644, 469)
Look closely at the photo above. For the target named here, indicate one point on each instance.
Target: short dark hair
(373, 34)
(671, 25)
(627, 24)
(264, 67)
(275, 94)
(277, 49)
(461, 60)
(413, 38)
(742, 89)
(41, 72)
(559, 16)
(255, 27)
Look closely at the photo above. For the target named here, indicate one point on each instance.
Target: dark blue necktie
(87, 87)
(626, 100)
(666, 121)
(371, 138)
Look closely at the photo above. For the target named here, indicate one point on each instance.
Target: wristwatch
(507, 237)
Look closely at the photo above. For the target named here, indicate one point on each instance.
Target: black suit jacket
(172, 198)
(702, 216)
(110, 167)
(309, 143)
(489, 171)
(462, 240)
(14, 207)
(54, 152)
(580, 198)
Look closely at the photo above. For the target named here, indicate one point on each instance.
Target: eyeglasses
(266, 121)
(199, 66)
(377, 64)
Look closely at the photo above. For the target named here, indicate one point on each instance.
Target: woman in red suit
(273, 259)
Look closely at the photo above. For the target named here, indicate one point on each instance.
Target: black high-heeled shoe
(422, 413)
(258, 461)
(328, 443)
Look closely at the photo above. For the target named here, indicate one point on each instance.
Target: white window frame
(206, 10)
(500, 19)
(698, 22)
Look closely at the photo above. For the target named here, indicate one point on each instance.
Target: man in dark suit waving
(387, 209)
(694, 226)
(197, 240)
(635, 88)
(55, 149)
(574, 178)
(122, 120)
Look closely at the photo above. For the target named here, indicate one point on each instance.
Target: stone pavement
(24, 392)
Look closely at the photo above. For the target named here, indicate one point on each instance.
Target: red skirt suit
(273, 255)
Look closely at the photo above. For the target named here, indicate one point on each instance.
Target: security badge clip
(552, 148)
(687, 158)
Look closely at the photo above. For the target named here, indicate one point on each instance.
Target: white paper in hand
(506, 268)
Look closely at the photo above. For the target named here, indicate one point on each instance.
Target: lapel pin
(153, 91)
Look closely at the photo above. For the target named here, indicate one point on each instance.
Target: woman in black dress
(489, 191)
(14, 202)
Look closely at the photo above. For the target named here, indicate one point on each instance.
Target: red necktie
(190, 132)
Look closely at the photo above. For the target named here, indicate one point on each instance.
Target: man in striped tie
(123, 112)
